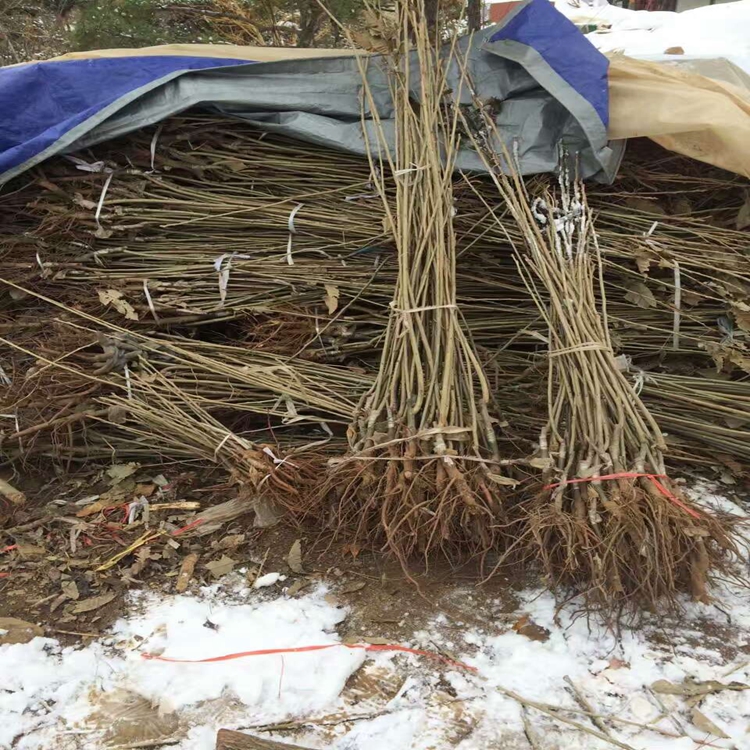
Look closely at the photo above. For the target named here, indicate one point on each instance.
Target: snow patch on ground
(45, 687)
(275, 686)
(721, 30)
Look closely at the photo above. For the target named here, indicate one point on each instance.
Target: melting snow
(721, 30)
(54, 697)
(45, 687)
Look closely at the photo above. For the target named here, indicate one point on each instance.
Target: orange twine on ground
(369, 647)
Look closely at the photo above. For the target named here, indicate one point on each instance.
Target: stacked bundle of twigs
(331, 303)
(629, 534)
(253, 245)
(167, 280)
(202, 290)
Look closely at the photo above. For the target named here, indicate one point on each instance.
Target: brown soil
(384, 602)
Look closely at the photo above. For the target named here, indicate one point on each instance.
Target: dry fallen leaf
(645, 205)
(70, 589)
(691, 298)
(705, 724)
(615, 663)
(294, 557)
(57, 601)
(13, 630)
(734, 466)
(639, 294)
(142, 556)
(351, 588)
(220, 567)
(236, 165)
(230, 542)
(95, 602)
(332, 600)
(95, 507)
(528, 628)
(643, 261)
(79, 200)
(695, 688)
(332, 298)
(735, 354)
(118, 472)
(741, 317)
(115, 298)
(297, 586)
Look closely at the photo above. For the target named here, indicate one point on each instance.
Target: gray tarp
(542, 104)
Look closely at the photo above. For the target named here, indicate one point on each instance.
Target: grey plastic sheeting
(320, 100)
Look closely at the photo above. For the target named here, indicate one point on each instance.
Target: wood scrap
(228, 739)
(211, 519)
(186, 572)
(10, 493)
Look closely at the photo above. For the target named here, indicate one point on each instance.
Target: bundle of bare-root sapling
(607, 521)
(156, 412)
(422, 473)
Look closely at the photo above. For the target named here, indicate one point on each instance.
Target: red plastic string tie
(192, 525)
(9, 548)
(369, 647)
(676, 500)
(633, 475)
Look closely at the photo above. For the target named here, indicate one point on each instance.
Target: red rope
(676, 500)
(192, 525)
(633, 475)
(370, 647)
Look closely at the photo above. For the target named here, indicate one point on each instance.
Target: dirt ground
(51, 555)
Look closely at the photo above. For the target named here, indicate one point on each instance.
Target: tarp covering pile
(682, 79)
(552, 85)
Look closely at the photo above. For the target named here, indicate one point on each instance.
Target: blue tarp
(562, 46)
(40, 102)
(58, 106)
